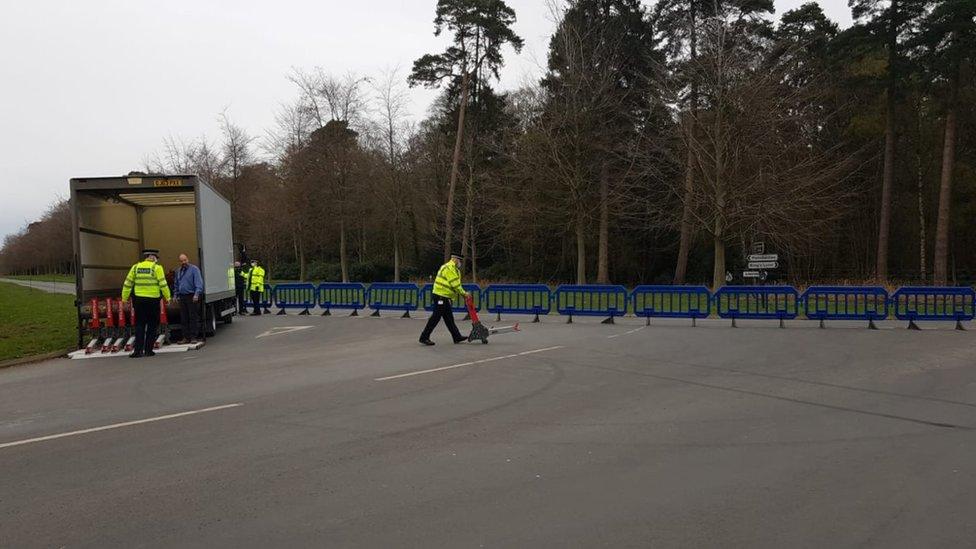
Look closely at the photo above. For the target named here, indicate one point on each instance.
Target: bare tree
(393, 130)
(758, 171)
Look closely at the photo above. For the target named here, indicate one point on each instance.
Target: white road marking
(472, 363)
(119, 425)
(626, 333)
(282, 330)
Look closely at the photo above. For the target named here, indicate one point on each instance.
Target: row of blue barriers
(822, 303)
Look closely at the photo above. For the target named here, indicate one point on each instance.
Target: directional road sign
(750, 274)
(763, 265)
(764, 257)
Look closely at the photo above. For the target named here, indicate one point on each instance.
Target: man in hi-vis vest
(147, 281)
(255, 284)
(447, 286)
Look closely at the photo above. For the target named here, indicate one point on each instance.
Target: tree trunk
(414, 235)
(603, 253)
(580, 250)
(396, 254)
(455, 166)
(343, 264)
(466, 229)
(921, 214)
(684, 240)
(362, 241)
(302, 269)
(718, 273)
(945, 198)
(888, 174)
(474, 259)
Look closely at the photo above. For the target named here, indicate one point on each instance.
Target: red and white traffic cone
(109, 326)
(131, 343)
(163, 325)
(120, 340)
(93, 328)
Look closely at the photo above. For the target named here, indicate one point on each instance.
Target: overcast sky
(93, 87)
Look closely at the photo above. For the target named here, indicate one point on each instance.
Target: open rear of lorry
(115, 218)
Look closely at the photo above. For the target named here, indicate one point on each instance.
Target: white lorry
(115, 218)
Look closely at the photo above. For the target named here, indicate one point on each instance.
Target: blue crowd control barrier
(457, 305)
(342, 295)
(267, 298)
(518, 299)
(845, 303)
(591, 300)
(294, 296)
(692, 302)
(934, 304)
(759, 302)
(393, 296)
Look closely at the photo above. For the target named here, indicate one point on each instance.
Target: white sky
(93, 87)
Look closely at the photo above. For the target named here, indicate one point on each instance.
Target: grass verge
(33, 322)
(70, 279)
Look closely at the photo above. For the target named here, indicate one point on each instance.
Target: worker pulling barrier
(479, 330)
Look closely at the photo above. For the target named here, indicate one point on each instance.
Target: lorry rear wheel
(210, 326)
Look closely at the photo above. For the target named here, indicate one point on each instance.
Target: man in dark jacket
(240, 285)
(189, 291)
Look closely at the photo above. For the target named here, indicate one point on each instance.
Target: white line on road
(626, 333)
(282, 330)
(472, 363)
(118, 425)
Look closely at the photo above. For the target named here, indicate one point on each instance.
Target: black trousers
(147, 322)
(256, 300)
(240, 299)
(442, 309)
(189, 316)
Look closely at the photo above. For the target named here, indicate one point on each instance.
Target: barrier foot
(822, 324)
(781, 324)
(959, 326)
(326, 313)
(536, 319)
(304, 313)
(498, 317)
(376, 313)
(406, 314)
(92, 345)
(570, 321)
(267, 311)
(871, 325)
(354, 313)
(694, 322)
(608, 321)
(281, 312)
(733, 322)
(912, 325)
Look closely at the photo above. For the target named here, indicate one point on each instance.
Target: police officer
(255, 284)
(147, 281)
(447, 286)
(240, 275)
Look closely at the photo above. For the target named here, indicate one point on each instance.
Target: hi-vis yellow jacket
(448, 282)
(146, 279)
(256, 279)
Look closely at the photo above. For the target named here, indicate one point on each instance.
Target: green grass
(70, 278)
(33, 322)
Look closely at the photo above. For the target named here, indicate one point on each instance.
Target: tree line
(658, 146)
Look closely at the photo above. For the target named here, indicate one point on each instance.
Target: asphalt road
(349, 433)
(44, 285)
